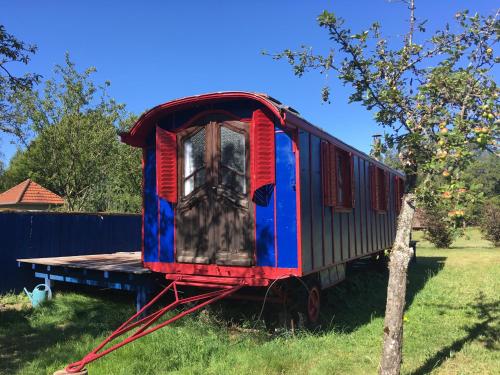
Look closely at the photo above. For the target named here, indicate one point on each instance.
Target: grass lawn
(451, 327)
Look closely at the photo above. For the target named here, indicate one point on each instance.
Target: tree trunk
(400, 257)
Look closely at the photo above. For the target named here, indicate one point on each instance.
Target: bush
(438, 228)
(490, 222)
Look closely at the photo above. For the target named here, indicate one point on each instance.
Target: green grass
(451, 327)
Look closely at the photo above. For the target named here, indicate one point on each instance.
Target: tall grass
(451, 327)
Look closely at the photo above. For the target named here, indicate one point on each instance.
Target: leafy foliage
(438, 230)
(490, 223)
(13, 51)
(76, 152)
(435, 99)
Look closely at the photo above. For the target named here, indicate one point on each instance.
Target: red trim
(204, 281)
(189, 122)
(214, 270)
(294, 121)
(138, 135)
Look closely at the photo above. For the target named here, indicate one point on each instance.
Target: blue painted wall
(286, 202)
(151, 253)
(51, 234)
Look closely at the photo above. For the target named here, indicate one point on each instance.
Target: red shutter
(352, 183)
(262, 151)
(166, 164)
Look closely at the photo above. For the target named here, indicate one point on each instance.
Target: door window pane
(233, 159)
(194, 161)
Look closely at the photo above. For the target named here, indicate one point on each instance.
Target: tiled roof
(29, 192)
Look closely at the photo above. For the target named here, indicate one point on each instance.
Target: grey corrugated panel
(305, 201)
(337, 243)
(362, 205)
(344, 216)
(369, 211)
(328, 235)
(26, 234)
(317, 204)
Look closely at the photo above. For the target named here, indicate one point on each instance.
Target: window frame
(240, 130)
(379, 189)
(183, 136)
(330, 155)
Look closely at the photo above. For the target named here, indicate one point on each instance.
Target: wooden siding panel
(362, 205)
(328, 235)
(345, 235)
(369, 211)
(305, 201)
(316, 202)
(357, 207)
(337, 243)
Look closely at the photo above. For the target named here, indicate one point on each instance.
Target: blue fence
(50, 234)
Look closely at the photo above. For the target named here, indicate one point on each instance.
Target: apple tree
(437, 101)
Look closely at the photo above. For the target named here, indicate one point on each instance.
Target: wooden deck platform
(121, 271)
(127, 262)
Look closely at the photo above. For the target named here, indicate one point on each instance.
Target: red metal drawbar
(143, 323)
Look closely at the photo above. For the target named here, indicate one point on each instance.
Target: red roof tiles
(29, 192)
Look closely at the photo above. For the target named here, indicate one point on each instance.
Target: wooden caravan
(238, 188)
(240, 191)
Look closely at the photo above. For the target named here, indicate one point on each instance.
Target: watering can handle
(45, 287)
(30, 295)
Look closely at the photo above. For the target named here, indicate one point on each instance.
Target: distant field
(451, 327)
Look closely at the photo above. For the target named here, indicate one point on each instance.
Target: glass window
(233, 160)
(194, 161)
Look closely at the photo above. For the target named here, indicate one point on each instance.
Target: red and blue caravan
(239, 189)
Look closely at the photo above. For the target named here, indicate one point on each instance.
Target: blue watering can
(40, 294)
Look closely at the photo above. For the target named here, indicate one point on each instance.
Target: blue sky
(156, 51)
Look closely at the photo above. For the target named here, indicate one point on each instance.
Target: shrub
(438, 228)
(490, 222)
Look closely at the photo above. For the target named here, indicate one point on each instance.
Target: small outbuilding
(29, 195)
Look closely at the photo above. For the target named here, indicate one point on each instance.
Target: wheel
(313, 305)
(305, 298)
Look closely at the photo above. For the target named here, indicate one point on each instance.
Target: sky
(156, 51)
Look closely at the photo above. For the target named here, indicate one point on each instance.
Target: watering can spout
(30, 295)
(40, 294)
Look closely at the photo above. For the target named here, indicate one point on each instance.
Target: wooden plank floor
(128, 262)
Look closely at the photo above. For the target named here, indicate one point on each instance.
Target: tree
(13, 51)
(76, 151)
(437, 103)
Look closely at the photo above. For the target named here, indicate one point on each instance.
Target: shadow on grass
(36, 333)
(485, 331)
(362, 296)
(49, 334)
